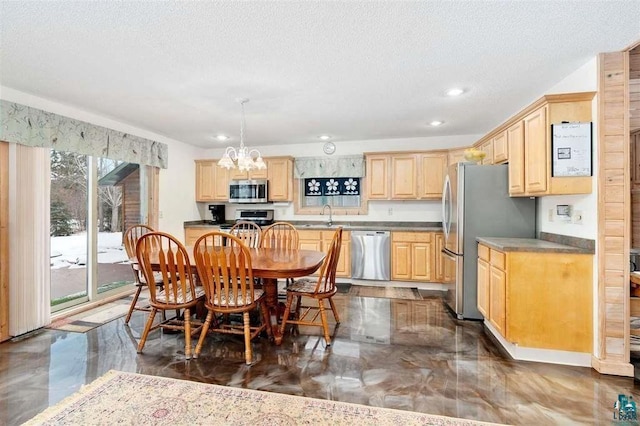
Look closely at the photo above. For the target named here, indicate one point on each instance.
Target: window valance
(322, 167)
(33, 127)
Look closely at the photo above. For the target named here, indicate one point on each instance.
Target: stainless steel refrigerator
(476, 203)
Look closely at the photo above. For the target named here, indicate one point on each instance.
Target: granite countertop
(354, 226)
(531, 245)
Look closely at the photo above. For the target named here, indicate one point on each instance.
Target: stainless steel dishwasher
(370, 255)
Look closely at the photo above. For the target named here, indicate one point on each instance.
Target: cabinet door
(432, 171)
(536, 155)
(280, 175)
(456, 156)
(422, 261)
(404, 178)
(439, 258)
(221, 185)
(401, 261)
(483, 287)
(500, 149)
(238, 174)
(515, 139)
(343, 269)
(487, 147)
(498, 302)
(205, 180)
(310, 240)
(378, 177)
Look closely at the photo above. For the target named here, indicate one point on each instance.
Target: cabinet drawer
(410, 237)
(483, 252)
(497, 259)
(310, 235)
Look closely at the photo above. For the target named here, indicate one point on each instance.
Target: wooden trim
(4, 241)
(153, 174)
(614, 196)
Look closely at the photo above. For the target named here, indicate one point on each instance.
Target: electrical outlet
(551, 214)
(576, 217)
(390, 211)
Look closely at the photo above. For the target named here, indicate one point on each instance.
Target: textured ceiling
(353, 70)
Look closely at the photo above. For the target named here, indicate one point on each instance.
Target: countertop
(531, 245)
(348, 226)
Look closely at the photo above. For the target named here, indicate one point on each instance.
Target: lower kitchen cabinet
(321, 239)
(414, 257)
(191, 234)
(537, 299)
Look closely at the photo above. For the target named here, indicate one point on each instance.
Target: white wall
(177, 182)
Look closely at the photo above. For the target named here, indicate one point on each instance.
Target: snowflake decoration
(332, 186)
(314, 186)
(350, 185)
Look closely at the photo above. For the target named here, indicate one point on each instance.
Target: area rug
(88, 320)
(385, 292)
(129, 398)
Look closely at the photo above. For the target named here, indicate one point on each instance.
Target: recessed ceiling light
(324, 137)
(436, 123)
(455, 92)
(222, 138)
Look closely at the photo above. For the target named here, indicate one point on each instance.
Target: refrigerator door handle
(446, 207)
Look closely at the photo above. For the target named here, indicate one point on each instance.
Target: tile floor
(408, 354)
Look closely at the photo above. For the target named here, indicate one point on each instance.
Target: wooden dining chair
(162, 251)
(131, 237)
(324, 287)
(280, 235)
(227, 276)
(248, 232)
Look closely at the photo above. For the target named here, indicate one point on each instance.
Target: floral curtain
(33, 127)
(322, 167)
(316, 187)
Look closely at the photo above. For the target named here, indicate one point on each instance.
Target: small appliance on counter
(260, 217)
(217, 213)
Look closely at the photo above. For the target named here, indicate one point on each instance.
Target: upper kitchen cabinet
(487, 148)
(500, 148)
(280, 176)
(530, 155)
(212, 182)
(456, 156)
(405, 175)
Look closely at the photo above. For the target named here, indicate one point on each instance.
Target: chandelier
(242, 156)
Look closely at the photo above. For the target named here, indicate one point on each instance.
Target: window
(337, 192)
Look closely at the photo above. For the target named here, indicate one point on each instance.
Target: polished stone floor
(396, 353)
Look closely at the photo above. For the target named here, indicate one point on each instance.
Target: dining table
(271, 264)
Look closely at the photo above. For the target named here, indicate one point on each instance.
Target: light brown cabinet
(212, 182)
(500, 148)
(191, 234)
(487, 148)
(537, 299)
(456, 156)
(405, 176)
(532, 165)
(413, 256)
(321, 239)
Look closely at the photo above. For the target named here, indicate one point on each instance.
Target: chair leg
(203, 333)
(133, 305)
(187, 333)
(334, 310)
(325, 324)
(287, 312)
(266, 318)
(247, 338)
(147, 327)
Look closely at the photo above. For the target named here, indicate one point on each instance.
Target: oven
(248, 191)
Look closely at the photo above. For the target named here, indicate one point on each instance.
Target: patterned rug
(128, 398)
(88, 320)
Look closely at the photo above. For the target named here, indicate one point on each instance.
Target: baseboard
(399, 284)
(619, 368)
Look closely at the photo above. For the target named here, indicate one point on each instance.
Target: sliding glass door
(93, 200)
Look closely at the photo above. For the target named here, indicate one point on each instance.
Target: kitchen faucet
(330, 214)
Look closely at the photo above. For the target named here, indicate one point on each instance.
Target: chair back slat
(280, 235)
(248, 232)
(173, 265)
(327, 277)
(131, 237)
(225, 272)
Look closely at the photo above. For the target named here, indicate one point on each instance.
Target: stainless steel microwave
(248, 191)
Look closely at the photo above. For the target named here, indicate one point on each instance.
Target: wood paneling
(614, 196)
(131, 200)
(4, 241)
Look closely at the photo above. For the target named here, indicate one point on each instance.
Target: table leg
(270, 286)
